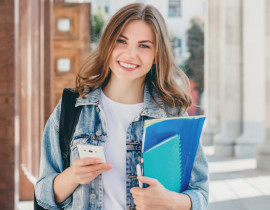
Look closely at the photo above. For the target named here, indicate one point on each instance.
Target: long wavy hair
(95, 70)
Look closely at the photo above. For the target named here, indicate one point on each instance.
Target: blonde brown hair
(95, 70)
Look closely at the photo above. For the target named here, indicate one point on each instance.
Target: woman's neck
(124, 92)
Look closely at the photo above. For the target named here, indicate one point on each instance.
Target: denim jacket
(92, 129)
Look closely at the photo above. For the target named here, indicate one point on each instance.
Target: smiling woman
(128, 79)
(133, 54)
(96, 69)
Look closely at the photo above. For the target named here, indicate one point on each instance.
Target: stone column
(212, 62)
(253, 78)
(230, 79)
(263, 150)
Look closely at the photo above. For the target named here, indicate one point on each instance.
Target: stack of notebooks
(168, 150)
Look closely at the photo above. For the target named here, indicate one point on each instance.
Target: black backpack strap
(36, 206)
(68, 120)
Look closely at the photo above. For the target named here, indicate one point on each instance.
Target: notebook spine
(180, 161)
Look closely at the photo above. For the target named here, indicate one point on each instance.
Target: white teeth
(130, 66)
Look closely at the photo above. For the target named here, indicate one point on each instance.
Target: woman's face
(134, 52)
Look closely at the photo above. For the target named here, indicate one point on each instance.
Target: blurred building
(237, 79)
(42, 46)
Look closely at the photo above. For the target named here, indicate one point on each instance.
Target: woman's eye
(121, 41)
(144, 46)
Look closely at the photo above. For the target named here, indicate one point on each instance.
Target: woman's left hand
(156, 196)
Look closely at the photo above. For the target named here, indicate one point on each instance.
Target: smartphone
(87, 150)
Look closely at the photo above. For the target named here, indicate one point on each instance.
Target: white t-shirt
(118, 117)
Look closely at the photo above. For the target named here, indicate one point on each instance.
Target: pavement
(235, 184)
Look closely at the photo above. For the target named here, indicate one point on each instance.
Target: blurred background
(223, 46)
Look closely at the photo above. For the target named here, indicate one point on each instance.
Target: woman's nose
(131, 51)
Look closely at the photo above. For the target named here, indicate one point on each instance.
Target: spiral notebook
(162, 159)
(185, 130)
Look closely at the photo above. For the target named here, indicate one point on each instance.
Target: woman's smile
(128, 66)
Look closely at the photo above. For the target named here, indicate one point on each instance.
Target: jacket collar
(150, 108)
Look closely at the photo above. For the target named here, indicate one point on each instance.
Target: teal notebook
(157, 131)
(163, 162)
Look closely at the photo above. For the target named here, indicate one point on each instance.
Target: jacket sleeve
(198, 189)
(51, 164)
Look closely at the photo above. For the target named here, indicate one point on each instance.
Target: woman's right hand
(82, 171)
(85, 170)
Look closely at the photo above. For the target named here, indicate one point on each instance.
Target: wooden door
(71, 41)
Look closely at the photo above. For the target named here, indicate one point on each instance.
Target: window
(177, 46)
(63, 64)
(63, 24)
(174, 8)
(106, 9)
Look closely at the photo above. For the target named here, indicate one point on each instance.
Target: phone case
(86, 150)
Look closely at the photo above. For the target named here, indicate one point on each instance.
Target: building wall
(7, 107)
(22, 86)
(235, 65)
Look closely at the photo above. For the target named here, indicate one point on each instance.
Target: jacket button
(133, 143)
(98, 133)
(93, 196)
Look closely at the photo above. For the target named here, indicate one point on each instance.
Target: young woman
(130, 78)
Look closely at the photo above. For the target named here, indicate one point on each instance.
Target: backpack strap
(68, 120)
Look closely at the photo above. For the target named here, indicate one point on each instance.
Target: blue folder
(188, 128)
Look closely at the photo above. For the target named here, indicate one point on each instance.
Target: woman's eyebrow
(142, 41)
(121, 35)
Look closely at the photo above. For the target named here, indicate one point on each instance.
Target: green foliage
(98, 21)
(194, 65)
